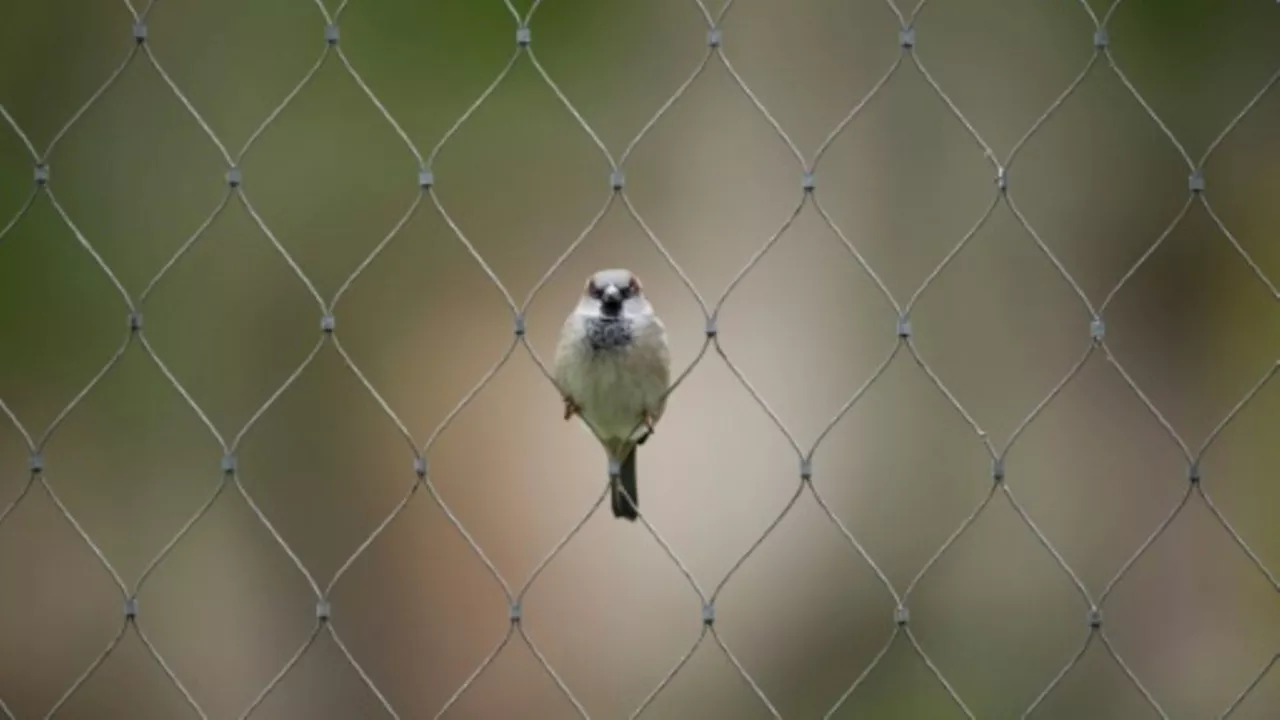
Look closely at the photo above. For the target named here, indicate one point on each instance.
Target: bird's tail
(625, 483)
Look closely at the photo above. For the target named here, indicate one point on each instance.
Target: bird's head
(614, 293)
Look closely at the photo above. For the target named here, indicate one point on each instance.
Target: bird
(613, 368)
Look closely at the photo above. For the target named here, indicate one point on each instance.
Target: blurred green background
(1195, 328)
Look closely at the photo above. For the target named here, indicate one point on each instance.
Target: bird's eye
(633, 287)
(593, 291)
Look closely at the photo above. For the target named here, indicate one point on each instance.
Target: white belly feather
(613, 389)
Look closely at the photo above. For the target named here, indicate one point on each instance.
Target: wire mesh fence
(817, 450)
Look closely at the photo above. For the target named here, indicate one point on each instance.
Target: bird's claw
(570, 408)
(647, 422)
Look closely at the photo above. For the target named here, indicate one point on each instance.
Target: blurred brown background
(1195, 328)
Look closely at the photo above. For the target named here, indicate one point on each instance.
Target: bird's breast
(615, 382)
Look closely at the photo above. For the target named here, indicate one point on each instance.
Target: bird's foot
(570, 408)
(647, 422)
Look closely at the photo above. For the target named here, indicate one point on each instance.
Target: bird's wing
(661, 371)
(564, 357)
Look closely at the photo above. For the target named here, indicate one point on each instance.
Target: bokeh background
(1195, 328)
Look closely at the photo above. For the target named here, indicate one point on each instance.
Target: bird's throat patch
(605, 335)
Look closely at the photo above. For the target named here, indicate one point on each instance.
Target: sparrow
(613, 368)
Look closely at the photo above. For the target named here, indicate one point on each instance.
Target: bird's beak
(611, 302)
